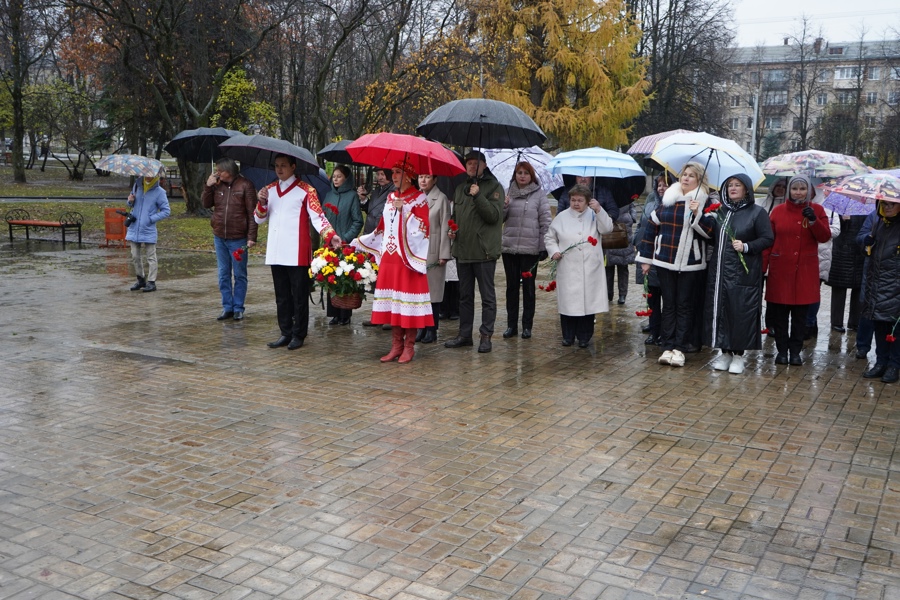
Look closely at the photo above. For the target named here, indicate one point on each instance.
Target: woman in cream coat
(438, 250)
(573, 241)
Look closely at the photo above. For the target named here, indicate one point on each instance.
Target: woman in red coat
(799, 226)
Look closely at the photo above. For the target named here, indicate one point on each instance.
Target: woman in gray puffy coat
(619, 259)
(526, 219)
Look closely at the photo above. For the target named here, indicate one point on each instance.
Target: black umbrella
(199, 145)
(261, 150)
(481, 123)
(622, 189)
(336, 152)
(260, 178)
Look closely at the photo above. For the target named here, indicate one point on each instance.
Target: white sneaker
(722, 362)
(737, 365)
(677, 358)
(665, 358)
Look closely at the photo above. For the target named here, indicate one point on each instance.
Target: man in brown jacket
(233, 200)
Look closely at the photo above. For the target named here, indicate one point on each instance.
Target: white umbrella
(720, 158)
(502, 163)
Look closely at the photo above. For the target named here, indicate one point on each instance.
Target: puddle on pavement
(91, 260)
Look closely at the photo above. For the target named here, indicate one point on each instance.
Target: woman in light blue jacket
(149, 205)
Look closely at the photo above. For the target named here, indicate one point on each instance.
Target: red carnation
(452, 224)
(712, 208)
(551, 286)
(764, 331)
(236, 255)
(890, 337)
(356, 276)
(331, 279)
(635, 196)
(592, 241)
(527, 275)
(320, 277)
(347, 250)
(331, 207)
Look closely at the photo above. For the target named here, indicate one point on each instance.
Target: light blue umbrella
(595, 162)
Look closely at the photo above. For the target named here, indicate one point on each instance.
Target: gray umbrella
(199, 145)
(261, 150)
(482, 123)
(336, 152)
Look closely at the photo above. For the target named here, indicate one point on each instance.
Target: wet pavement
(148, 451)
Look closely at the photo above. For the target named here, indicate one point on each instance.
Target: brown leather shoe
(485, 344)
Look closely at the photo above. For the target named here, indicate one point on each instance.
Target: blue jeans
(233, 293)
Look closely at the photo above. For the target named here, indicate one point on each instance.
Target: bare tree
(809, 68)
(686, 44)
(28, 29)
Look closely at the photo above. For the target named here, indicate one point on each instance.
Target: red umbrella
(384, 150)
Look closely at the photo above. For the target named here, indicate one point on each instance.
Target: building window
(874, 73)
(754, 77)
(736, 77)
(823, 75)
(749, 122)
(776, 98)
(871, 97)
(893, 98)
(798, 100)
(846, 97)
(870, 122)
(773, 122)
(821, 99)
(836, 50)
(846, 73)
(735, 101)
(776, 75)
(735, 122)
(895, 72)
(796, 124)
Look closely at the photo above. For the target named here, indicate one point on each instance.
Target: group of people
(707, 259)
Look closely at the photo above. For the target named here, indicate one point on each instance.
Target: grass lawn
(180, 231)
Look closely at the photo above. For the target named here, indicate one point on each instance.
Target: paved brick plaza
(148, 451)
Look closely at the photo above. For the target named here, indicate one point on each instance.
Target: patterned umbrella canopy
(646, 144)
(131, 164)
(814, 163)
(844, 205)
(868, 188)
(502, 164)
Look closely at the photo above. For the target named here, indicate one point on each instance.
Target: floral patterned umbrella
(814, 163)
(869, 188)
(131, 164)
(844, 205)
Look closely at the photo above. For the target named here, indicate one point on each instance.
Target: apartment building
(779, 96)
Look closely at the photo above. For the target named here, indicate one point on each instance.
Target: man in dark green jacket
(478, 213)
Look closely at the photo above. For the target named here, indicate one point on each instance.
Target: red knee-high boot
(396, 344)
(409, 347)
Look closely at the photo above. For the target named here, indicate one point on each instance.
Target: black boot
(150, 287)
(141, 282)
(430, 336)
(420, 334)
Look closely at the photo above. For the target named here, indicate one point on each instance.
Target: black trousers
(514, 265)
(610, 279)
(680, 290)
(581, 328)
(483, 273)
(779, 315)
(838, 301)
(450, 301)
(292, 299)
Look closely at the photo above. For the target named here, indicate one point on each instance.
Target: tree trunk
(193, 178)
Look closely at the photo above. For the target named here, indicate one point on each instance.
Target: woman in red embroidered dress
(400, 245)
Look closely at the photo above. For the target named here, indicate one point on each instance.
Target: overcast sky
(769, 21)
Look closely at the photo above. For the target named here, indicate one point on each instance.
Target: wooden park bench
(18, 218)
